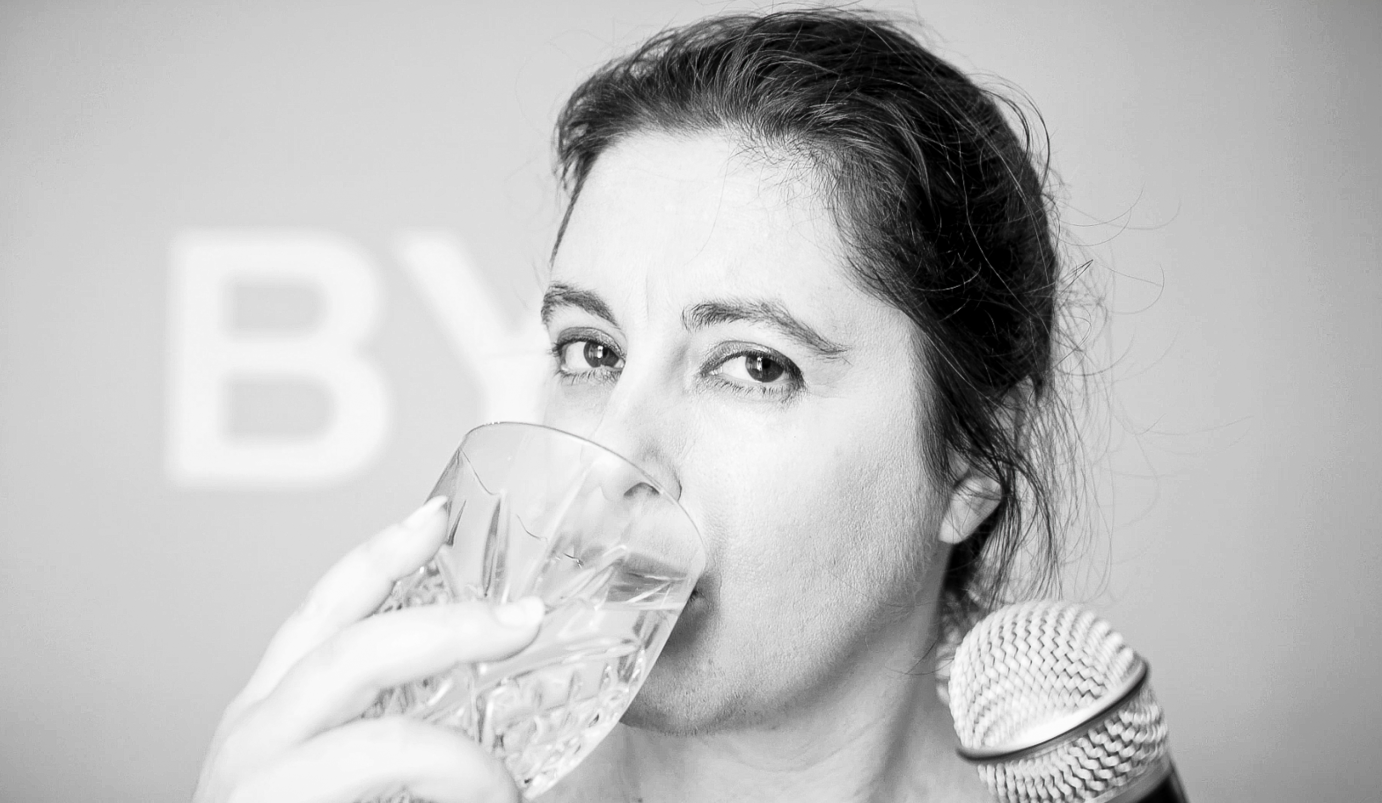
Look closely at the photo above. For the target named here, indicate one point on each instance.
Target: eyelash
(568, 377)
(784, 391)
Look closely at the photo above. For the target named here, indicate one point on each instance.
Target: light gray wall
(1222, 174)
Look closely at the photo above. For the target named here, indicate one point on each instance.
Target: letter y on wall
(507, 358)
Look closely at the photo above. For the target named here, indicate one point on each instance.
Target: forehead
(680, 218)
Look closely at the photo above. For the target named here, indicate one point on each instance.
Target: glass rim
(584, 441)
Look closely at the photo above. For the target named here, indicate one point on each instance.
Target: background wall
(1222, 170)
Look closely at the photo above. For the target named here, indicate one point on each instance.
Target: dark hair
(943, 211)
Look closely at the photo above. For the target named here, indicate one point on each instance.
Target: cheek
(869, 505)
(796, 517)
(572, 408)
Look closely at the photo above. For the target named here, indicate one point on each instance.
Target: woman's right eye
(585, 357)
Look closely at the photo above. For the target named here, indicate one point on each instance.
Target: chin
(648, 716)
(673, 700)
(683, 694)
(679, 716)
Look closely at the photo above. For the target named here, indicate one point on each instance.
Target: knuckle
(379, 547)
(380, 560)
(392, 734)
(333, 651)
(314, 607)
(235, 712)
(233, 752)
(240, 793)
(477, 622)
(475, 629)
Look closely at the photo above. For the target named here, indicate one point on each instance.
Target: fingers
(339, 679)
(369, 758)
(351, 590)
(284, 738)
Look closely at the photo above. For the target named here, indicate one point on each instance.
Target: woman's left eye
(759, 372)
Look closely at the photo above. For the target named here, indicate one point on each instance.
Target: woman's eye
(584, 356)
(759, 372)
(762, 368)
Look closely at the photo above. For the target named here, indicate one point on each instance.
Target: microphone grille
(1035, 671)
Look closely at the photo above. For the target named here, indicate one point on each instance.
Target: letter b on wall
(208, 355)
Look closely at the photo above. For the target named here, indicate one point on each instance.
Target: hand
(294, 733)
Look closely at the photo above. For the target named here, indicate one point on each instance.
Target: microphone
(1052, 707)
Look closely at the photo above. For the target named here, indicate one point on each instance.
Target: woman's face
(705, 326)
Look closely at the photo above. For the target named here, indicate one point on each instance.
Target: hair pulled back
(943, 212)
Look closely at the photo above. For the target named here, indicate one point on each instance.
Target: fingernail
(521, 614)
(421, 514)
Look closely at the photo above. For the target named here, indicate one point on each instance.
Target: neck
(878, 732)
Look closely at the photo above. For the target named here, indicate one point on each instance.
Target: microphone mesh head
(1029, 666)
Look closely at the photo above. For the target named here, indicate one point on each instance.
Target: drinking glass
(535, 511)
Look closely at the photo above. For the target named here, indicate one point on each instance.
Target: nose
(648, 455)
(639, 424)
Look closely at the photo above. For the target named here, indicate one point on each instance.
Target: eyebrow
(564, 295)
(770, 313)
(702, 315)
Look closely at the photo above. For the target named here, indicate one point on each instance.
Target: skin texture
(803, 666)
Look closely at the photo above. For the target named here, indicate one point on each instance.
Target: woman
(806, 278)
